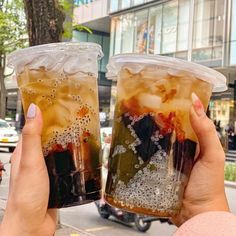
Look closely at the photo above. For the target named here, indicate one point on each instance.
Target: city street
(86, 217)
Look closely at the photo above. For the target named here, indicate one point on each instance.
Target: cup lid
(209, 75)
(64, 47)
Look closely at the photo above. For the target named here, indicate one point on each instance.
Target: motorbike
(142, 223)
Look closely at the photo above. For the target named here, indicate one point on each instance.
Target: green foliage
(82, 28)
(230, 172)
(69, 25)
(12, 26)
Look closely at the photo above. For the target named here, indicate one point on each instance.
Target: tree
(44, 21)
(12, 36)
(50, 21)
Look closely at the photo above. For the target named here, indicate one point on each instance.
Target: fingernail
(197, 104)
(31, 113)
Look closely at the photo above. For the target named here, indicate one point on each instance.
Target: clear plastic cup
(61, 79)
(153, 144)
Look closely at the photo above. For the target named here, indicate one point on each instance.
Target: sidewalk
(62, 230)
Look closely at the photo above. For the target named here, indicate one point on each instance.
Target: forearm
(209, 223)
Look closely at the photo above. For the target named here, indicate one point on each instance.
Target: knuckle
(30, 129)
(27, 130)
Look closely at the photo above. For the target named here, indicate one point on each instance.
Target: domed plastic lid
(138, 62)
(74, 56)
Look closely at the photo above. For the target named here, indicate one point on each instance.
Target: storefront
(202, 31)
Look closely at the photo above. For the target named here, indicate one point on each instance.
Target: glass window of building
(233, 53)
(79, 36)
(169, 27)
(218, 22)
(95, 38)
(183, 25)
(137, 2)
(127, 33)
(203, 23)
(208, 30)
(105, 49)
(233, 34)
(118, 34)
(114, 5)
(112, 36)
(141, 31)
(155, 29)
(125, 4)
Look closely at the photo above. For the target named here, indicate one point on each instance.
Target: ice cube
(149, 100)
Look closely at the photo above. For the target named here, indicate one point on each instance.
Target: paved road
(86, 217)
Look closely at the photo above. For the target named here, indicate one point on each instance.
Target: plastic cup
(153, 144)
(61, 79)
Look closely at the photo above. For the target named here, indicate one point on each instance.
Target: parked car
(8, 136)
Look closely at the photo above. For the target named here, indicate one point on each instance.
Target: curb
(81, 232)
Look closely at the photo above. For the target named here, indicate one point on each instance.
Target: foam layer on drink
(69, 104)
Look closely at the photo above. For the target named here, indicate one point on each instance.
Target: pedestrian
(204, 211)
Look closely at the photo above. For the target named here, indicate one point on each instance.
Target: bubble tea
(62, 80)
(153, 144)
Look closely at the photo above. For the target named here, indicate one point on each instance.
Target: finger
(16, 155)
(31, 138)
(15, 160)
(210, 145)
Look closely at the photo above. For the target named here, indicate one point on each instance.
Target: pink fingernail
(31, 113)
(197, 104)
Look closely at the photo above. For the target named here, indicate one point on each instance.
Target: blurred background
(201, 31)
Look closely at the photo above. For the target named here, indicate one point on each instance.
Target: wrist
(193, 208)
(218, 203)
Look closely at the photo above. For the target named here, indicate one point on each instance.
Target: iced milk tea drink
(62, 80)
(153, 144)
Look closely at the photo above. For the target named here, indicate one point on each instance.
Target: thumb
(31, 138)
(210, 146)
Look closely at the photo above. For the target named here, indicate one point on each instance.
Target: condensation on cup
(61, 79)
(153, 144)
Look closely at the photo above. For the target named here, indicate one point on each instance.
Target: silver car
(8, 136)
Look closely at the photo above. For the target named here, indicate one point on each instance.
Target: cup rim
(209, 75)
(71, 47)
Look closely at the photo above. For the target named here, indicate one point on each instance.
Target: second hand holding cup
(153, 144)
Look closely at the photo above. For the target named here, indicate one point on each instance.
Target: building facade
(94, 15)
(201, 31)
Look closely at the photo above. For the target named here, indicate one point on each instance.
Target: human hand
(26, 211)
(205, 189)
